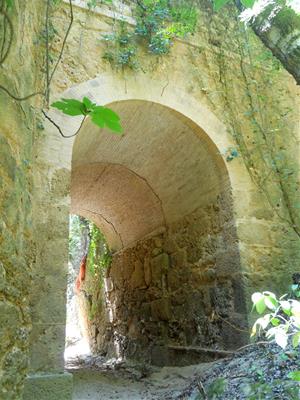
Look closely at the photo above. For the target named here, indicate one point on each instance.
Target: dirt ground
(258, 372)
(132, 382)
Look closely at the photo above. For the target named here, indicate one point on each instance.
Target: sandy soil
(132, 383)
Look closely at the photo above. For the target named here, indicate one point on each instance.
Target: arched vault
(160, 170)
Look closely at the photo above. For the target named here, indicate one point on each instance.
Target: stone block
(57, 386)
(159, 266)
(170, 245)
(137, 278)
(10, 320)
(147, 271)
(159, 356)
(179, 258)
(161, 310)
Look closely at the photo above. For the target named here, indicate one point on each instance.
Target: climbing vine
(99, 259)
(99, 256)
(101, 116)
(158, 23)
(265, 152)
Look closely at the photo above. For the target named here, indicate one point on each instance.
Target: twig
(253, 344)
(7, 19)
(59, 129)
(230, 324)
(48, 81)
(47, 91)
(64, 41)
(201, 389)
(20, 98)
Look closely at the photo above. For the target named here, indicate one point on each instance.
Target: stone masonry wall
(18, 129)
(226, 68)
(174, 289)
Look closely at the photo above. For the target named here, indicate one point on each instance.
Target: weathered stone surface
(48, 387)
(159, 266)
(147, 271)
(219, 194)
(160, 310)
(137, 278)
(2, 276)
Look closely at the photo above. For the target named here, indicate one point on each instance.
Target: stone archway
(162, 196)
(52, 202)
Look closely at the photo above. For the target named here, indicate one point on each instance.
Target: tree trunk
(278, 26)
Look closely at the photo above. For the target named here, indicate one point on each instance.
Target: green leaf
(248, 3)
(218, 4)
(294, 375)
(9, 3)
(88, 104)
(271, 301)
(259, 302)
(103, 116)
(296, 339)
(275, 321)
(286, 307)
(70, 107)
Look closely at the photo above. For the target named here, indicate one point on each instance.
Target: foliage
(282, 321)
(214, 391)
(101, 116)
(217, 388)
(231, 153)
(158, 23)
(123, 51)
(94, 3)
(98, 260)
(294, 375)
(78, 233)
(99, 256)
(9, 3)
(218, 4)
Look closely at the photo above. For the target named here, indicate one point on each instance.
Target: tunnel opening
(89, 258)
(161, 195)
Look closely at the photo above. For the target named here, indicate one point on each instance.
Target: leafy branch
(282, 322)
(101, 116)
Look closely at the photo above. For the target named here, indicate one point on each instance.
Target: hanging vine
(6, 7)
(262, 153)
(158, 23)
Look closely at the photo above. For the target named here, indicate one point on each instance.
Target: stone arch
(55, 154)
(162, 195)
(157, 166)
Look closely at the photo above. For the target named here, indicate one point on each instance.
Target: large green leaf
(88, 104)
(248, 3)
(103, 116)
(218, 4)
(70, 107)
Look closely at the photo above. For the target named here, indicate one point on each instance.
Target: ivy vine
(158, 24)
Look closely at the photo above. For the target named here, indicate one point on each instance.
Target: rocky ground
(95, 380)
(257, 372)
